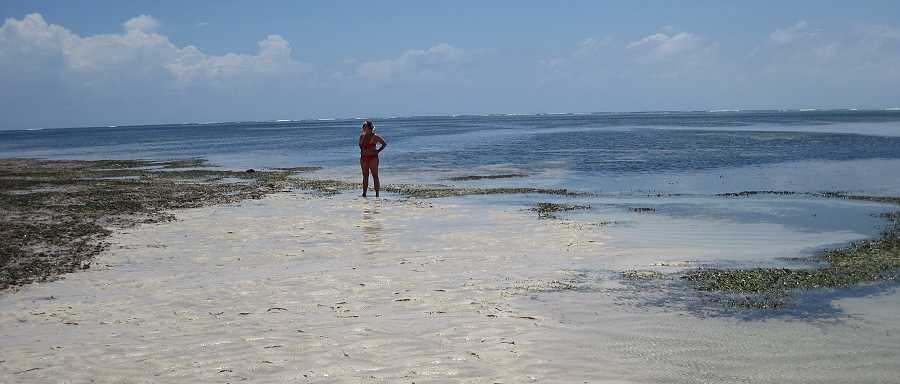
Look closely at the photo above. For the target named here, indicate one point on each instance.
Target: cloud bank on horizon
(54, 77)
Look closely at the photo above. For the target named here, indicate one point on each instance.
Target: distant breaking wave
(520, 115)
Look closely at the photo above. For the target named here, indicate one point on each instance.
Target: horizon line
(329, 119)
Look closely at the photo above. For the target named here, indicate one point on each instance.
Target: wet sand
(295, 288)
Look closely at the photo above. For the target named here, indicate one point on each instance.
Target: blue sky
(114, 63)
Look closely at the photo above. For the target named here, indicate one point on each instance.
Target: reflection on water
(372, 226)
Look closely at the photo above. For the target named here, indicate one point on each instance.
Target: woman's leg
(364, 164)
(373, 167)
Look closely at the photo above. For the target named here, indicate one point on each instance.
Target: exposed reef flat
(54, 215)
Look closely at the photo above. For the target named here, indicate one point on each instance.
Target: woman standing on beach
(368, 155)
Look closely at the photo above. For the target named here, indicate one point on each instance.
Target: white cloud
(412, 63)
(274, 58)
(652, 39)
(648, 72)
(664, 46)
(136, 52)
(666, 54)
(588, 57)
(591, 46)
(863, 53)
(31, 35)
(554, 62)
(138, 75)
(800, 30)
(142, 23)
(882, 32)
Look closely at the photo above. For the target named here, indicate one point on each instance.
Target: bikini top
(368, 149)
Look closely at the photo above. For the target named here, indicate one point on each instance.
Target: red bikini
(367, 151)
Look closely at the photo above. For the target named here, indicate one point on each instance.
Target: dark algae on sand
(549, 210)
(861, 262)
(486, 177)
(429, 191)
(54, 215)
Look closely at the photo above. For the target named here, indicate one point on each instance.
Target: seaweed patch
(54, 215)
(862, 262)
(486, 177)
(548, 210)
(427, 191)
(643, 275)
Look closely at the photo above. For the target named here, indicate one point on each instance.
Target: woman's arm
(378, 139)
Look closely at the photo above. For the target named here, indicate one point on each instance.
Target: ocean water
(583, 145)
(674, 162)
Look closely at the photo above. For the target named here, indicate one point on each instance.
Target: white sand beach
(298, 288)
